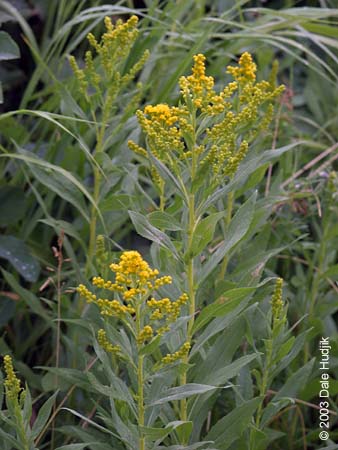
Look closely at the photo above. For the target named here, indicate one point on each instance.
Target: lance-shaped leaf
(148, 231)
(237, 230)
(177, 393)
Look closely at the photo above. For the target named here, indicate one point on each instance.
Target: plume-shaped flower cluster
(135, 286)
(104, 75)
(12, 383)
(216, 127)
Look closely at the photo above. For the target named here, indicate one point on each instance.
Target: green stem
(190, 270)
(162, 198)
(140, 400)
(191, 293)
(21, 432)
(96, 194)
(227, 221)
(262, 392)
(140, 380)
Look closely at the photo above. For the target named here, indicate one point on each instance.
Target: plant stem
(226, 224)
(21, 431)
(96, 194)
(262, 392)
(162, 198)
(140, 380)
(140, 400)
(191, 293)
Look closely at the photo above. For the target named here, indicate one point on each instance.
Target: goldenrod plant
(100, 83)
(200, 144)
(16, 430)
(136, 325)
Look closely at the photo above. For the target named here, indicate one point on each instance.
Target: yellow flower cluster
(198, 88)
(145, 334)
(246, 70)
(277, 299)
(134, 284)
(12, 383)
(238, 113)
(166, 308)
(113, 49)
(164, 136)
(181, 353)
(107, 307)
(105, 344)
(132, 264)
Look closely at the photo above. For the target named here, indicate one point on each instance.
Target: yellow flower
(145, 334)
(225, 122)
(112, 50)
(277, 299)
(134, 282)
(12, 383)
(246, 70)
(181, 353)
(105, 344)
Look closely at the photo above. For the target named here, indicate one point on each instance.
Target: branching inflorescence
(217, 127)
(135, 288)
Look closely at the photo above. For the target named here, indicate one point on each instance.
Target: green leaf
(13, 205)
(195, 446)
(183, 430)
(237, 230)
(117, 202)
(288, 392)
(217, 325)
(75, 446)
(164, 220)
(151, 347)
(231, 427)
(204, 232)
(8, 438)
(224, 374)
(285, 349)
(166, 174)
(8, 48)
(18, 254)
(296, 382)
(180, 392)
(62, 225)
(43, 415)
(62, 186)
(148, 231)
(224, 305)
(248, 166)
(64, 173)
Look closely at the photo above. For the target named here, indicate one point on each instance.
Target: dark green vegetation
(68, 175)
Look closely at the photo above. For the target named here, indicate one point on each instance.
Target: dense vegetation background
(46, 200)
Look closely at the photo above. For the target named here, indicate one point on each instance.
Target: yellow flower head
(105, 344)
(12, 383)
(132, 263)
(277, 299)
(210, 128)
(109, 53)
(133, 279)
(134, 286)
(181, 353)
(246, 70)
(145, 334)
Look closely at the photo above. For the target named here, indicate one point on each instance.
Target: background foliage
(48, 163)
